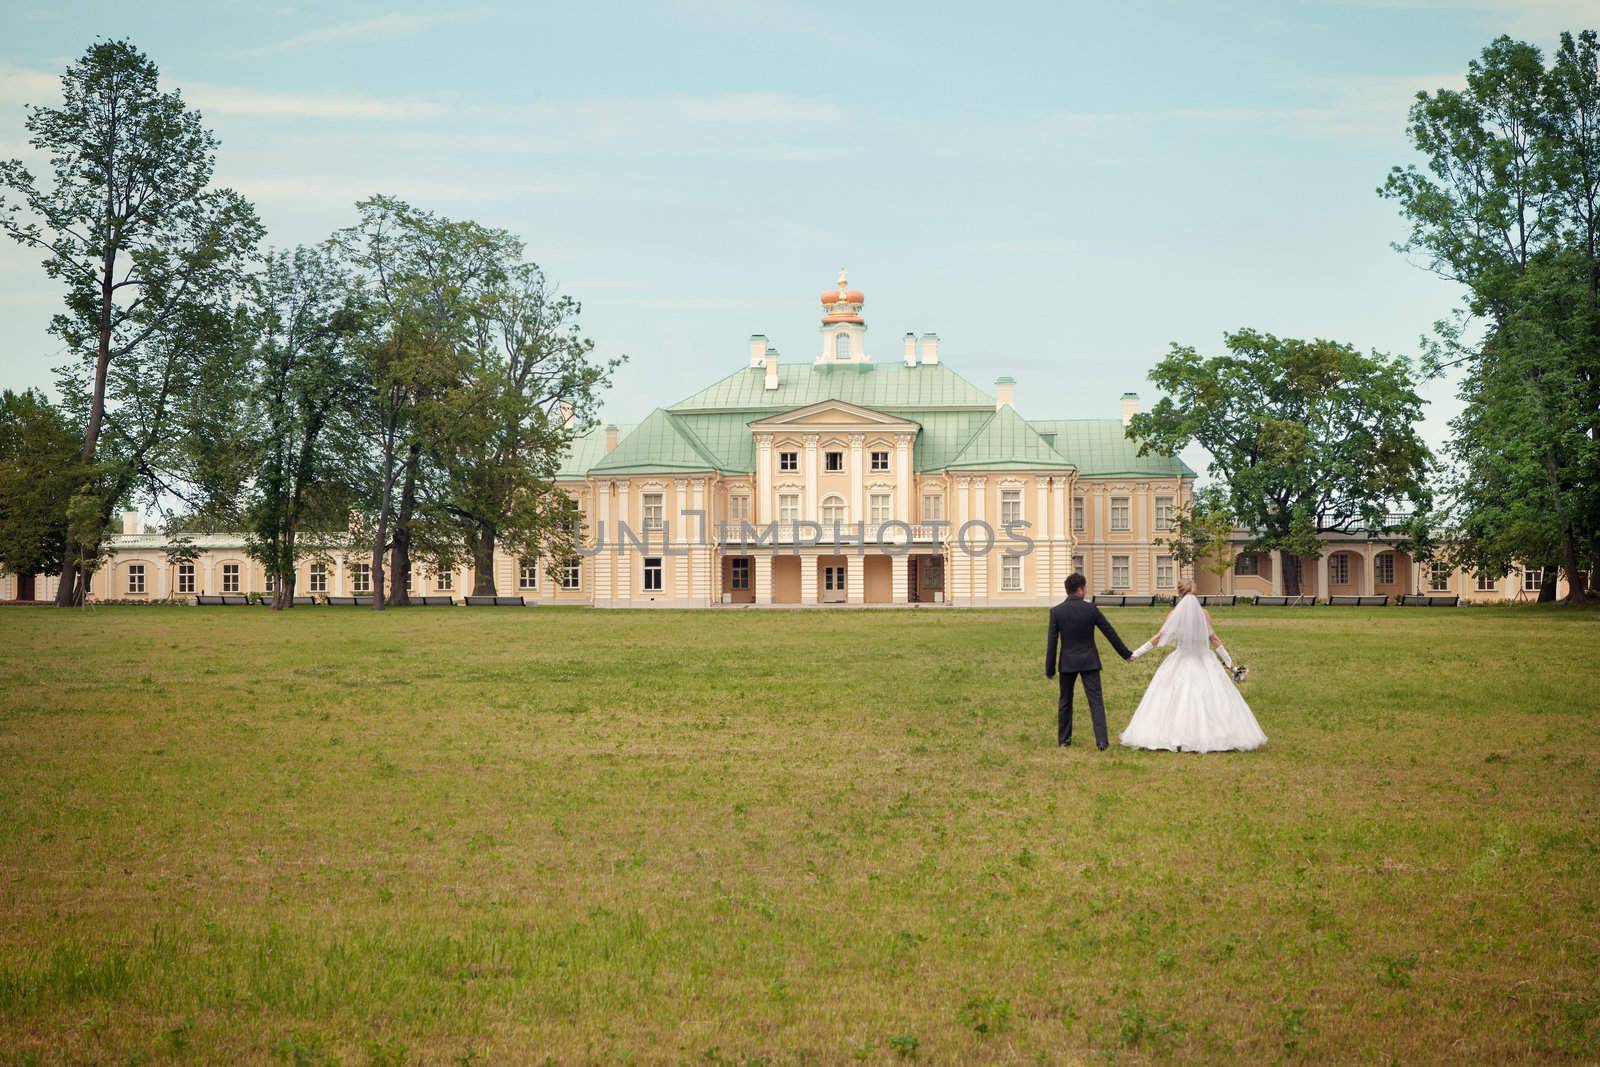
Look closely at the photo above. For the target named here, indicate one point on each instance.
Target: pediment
(834, 414)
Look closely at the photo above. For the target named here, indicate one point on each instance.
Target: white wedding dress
(1192, 704)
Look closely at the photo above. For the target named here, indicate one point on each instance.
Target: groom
(1072, 626)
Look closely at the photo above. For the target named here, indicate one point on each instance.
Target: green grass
(473, 837)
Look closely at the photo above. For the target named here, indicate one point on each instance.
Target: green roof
(1101, 447)
(1006, 442)
(587, 449)
(658, 446)
(880, 386)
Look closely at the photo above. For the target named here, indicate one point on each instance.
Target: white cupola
(844, 331)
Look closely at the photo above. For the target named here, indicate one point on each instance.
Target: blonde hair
(1184, 589)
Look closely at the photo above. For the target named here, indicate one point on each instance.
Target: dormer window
(841, 346)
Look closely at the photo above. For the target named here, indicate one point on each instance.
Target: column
(855, 582)
(900, 566)
(903, 477)
(1066, 538)
(763, 565)
(958, 575)
(1369, 580)
(1043, 550)
(681, 589)
(1277, 573)
(706, 590)
(1322, 576)
(808, 579)
(623, 589)
(858, 492)
(809, 500)
(603, 556)
(163, 584)
(763, 481)
(980, 562)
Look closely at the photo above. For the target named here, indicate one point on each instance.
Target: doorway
(833, 583)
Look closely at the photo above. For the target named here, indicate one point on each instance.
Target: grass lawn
(475, 837)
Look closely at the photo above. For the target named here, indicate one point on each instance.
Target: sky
(1059, 190)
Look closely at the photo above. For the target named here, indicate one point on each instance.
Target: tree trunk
(1547, 588)
(1291, 575)
(483, 562)
(66, 591)
(283, 585)
(1577, 589)
(400, 555)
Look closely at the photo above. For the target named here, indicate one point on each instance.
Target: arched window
(833, 511)
(841, 345)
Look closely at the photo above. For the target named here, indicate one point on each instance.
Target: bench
(1358, 601)
(1424, 601)
(294, 602)
(1119, 600)
(211, 600)
(496, 602)
(1286, 601)
(1214, 600)
(348, 601)
(434, 601)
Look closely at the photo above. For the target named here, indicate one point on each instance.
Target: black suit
(1072, 626)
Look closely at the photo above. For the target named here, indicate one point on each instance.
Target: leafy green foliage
(1307, 437)
(39, 470)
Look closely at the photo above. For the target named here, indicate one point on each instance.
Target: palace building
(843, 479)
(848, 478)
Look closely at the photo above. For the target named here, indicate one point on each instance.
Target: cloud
(28, 87)
(383, 26)
(1540, 20)
(262, 103)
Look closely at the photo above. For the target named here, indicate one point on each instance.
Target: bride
(1192, 704)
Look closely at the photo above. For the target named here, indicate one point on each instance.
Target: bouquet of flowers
(1240, 674)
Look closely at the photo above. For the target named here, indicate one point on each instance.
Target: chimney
(758, 349)
(132, 523)
(910, 346)
(611, 437)
(568, 414)
(930, 349)
(1130, 407)
(770, 361)
(1005, 393)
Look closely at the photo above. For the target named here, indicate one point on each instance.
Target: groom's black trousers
(1097, 707)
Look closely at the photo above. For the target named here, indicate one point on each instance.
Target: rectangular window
(572, 574)
(317, 578)
(1166, 575)
(1338, 569)
(1165, 512)
(1487, 583)
(882, 511)
(1120, 572)
(1077, 513)
(186, 577)
(230, 577)
(1439, 576)
(1011, 574)
(271, 582)
(1247, 565)
(1120, 513)
(738, 509)
(444, 581)
(528, 573)
(1077, 566)
(136, 578)
(361, 577)
(833, 462)
(739, 573)
(788, 508)
(932, 508)
(1383, 569)
(1010, 506)
(880, 461)
(788, 461)
(1532, 580)
(655, 511)
(652, 574)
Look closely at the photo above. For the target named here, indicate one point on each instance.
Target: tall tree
(39, 471)
(310, 323)
(529, 388)
(432, 280)
(1508, 204)
(131, 227)
(1309, 437)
